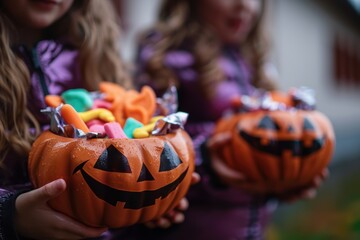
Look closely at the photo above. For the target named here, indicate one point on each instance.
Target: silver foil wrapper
(303, 98)
(59, 127)
(170, 123)
(57, 123)
(168, 103)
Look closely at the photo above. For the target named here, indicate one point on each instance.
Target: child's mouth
(235, 23)
(46, 4)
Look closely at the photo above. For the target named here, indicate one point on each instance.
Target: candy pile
(296, 98)
(113, 112)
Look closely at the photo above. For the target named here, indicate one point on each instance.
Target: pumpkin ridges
(267, 166)
(251, 168)
(281, 171)
(290, 168)
(187, 143)
(312, 166)
(42, 147)
(225, 153)
(235, 157)
(154, 211)
(119, 216)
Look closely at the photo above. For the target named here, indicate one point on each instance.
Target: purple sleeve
(7, 210)
(203, 113)
(53, 66)
(60, 67)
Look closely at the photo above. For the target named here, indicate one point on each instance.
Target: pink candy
(99, 128)
(99, 103)
(114, 130)
(95, 122)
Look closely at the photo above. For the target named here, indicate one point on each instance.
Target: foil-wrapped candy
(59, 127)
(56, 121)
(170, 123)
(260, 100)
(304, 98)
(168, 103)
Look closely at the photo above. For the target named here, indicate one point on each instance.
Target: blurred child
(46, 47)
(212, 51)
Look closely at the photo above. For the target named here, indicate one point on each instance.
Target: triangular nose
(145, 175)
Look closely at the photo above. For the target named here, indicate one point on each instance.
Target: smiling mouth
(133, 200)
(276, 147)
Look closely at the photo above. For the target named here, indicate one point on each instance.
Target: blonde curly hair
(91, 26)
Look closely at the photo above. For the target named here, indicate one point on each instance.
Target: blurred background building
(316, 44)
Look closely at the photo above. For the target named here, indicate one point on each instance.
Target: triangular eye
(308, 125)
(267, 123)
(111, 160)
(168, 159)
(145, 175)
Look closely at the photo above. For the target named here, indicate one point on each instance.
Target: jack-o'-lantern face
(114, 182)
(277, 150)
(115, 163)
(278, 134)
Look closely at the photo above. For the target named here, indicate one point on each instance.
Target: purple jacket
(53, 69)
(216, 211)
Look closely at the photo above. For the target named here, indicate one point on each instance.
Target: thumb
(219, 139)
(226, 172)
(48, 191)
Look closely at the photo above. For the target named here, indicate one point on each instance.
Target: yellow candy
(144, 131)
(140, 133)
(99, 113)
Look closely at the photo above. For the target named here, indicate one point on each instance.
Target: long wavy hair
(91, 26)
(178, 25)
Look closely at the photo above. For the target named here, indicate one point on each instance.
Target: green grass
(333, 214)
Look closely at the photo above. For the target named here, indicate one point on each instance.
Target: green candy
(79, 98)
(130, 125)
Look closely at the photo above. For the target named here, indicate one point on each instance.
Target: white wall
(302, 34)
(138, 15)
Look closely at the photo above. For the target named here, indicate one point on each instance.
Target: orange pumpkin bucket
(277, 148)
(114, 182)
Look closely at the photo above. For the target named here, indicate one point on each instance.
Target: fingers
(306, 194)
(183, 205)
(47, 192)
(195, 178)
(225, 172)
(174, 216)
(218, 140)
(309, 194)
(319, 179)
(159, 223)
(325, 173)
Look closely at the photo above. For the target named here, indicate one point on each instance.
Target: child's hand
(35, 219)
(176, 215)
(237, 180)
